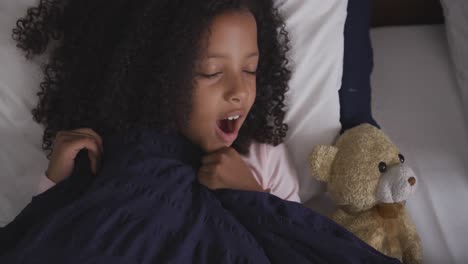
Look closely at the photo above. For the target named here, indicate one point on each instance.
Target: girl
(158, 82)
(214, 71)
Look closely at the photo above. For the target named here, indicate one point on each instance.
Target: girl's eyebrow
(222, 56)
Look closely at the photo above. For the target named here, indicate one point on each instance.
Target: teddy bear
(367, 178)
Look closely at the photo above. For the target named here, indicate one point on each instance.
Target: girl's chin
(215, 146)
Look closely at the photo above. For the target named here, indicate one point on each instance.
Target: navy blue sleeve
(355, 92)
(47, 203)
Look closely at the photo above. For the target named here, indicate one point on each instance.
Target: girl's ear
(321, 161)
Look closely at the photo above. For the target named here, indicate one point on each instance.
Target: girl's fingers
(209, 169)
(88, 132)
(206, 180)
(207, 176)
(80, 133)
(91, 145)
(95, 161)
(91, 132)
(73, 141)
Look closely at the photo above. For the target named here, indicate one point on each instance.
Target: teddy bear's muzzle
(396, 185)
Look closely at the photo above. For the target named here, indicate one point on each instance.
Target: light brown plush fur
(351, 171)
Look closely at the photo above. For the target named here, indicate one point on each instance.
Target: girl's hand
(66, 146)
(225, 168)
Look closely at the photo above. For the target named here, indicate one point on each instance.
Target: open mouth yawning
(229, 126)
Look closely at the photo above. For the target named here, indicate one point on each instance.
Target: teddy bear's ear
(321, 161)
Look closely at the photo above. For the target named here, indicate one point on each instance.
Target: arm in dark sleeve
(355, 92)
(43, 205)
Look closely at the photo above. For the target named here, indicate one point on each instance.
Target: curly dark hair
(115, 65)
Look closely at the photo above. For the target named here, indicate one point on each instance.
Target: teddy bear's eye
(402, 158)
(382, 167)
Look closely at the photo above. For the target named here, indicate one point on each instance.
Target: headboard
(406, 12)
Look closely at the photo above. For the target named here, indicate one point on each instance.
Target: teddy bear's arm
(411, 243)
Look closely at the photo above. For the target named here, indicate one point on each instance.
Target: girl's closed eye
(216, 74)
(210, 75)
(254, 73)
(251, 69)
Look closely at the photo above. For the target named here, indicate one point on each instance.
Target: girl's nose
(238, 91)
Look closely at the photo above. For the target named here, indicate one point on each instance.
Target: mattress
(417, 102)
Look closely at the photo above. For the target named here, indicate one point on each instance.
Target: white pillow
(21, 158)
(316, 30)
(456, 20)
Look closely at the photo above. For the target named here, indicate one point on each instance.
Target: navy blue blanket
(146, 206)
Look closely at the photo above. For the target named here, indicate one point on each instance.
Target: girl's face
(225, 81)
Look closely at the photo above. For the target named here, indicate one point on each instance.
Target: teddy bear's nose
(412, 181)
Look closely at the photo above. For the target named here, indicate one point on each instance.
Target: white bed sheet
(417, 102)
